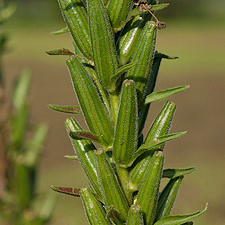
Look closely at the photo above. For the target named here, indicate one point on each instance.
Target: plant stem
(114, 98)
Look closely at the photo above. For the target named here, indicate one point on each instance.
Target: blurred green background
(195, 34)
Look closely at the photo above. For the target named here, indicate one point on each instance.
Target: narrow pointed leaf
(144, 54)
(94, 111)
(71, 157)
(135, 216)
(94, 211)
(35, 146)
(103, 45)
(67, 190)
(180, 219)
(83, 135)
(125, 140)
(159, 127)
(76, 19)
(167, 197)
(173, 173)
(64, 30)
(160, 140)
(136, 12)
(84, 150)
(62, 51)
(149, 190)
(161, 95)
(110, 188)
(122, 70)
(66, 108)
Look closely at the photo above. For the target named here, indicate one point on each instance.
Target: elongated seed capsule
(135, 216)
(76, 19)
(118, 11)
(94, 111)
(104, 51)
(144, 55)
(159, 127)
(125, 139)
(111, 190)
(149, 190)
(85, 152)
(167, 197)
(94, 211)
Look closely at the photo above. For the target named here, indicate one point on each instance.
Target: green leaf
(180, 219)
(161, 95)
(136, 12)
(173, 173)
(62, 51)
(149, 190)
(76, 18)
(94, 210)
(35, 146)
(94, 111)
(21, 90)
(144, 54)
(64, 30)
(66, 190)
(83, 135)
(167, 197)
(160, 140)
(71, 157)
(135, 216)
(66, 108)
(125, 139)
(103, 44)
(111, 190)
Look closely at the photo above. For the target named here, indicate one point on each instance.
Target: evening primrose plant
(113, 67)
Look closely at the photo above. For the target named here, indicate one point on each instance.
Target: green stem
(114, 99)
(123, 175)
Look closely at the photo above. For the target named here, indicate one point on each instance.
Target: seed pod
(144, 55)
(159, 127)
(167, 197)
(76, 19)
(118, 11)
(85, 151)
(111, 190)
(150, 188)
(94, 211)
(94, 111)
(104, 51)
(135, 216)
(125, 140)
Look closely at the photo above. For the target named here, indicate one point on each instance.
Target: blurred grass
(198, 43)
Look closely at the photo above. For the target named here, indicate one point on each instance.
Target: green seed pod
(144, 55)
(94, 111)
(76, 19)
(104, 51)
(94, 211)
(85, 151)
(125, 140)
(159, 127)
(118, 11)
(111, 190)
(135, 216)
(167, 197)
(150, 188)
